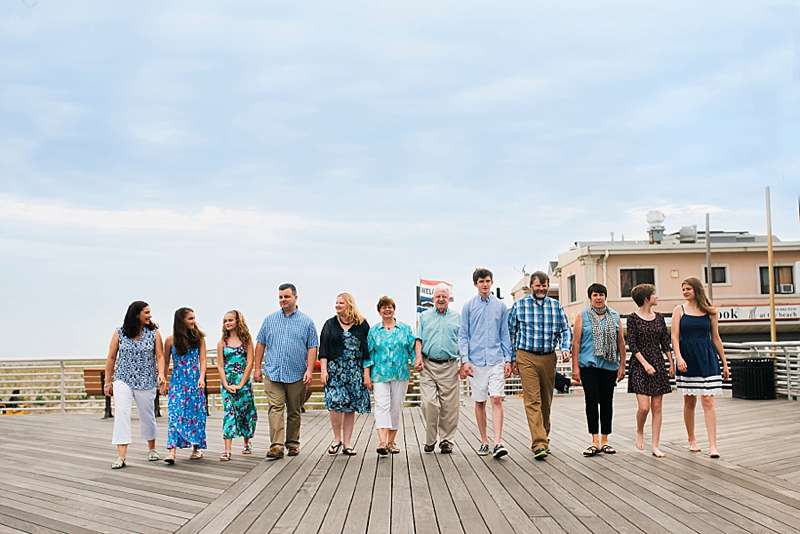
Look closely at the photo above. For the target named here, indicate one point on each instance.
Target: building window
(719, 275)
(573, 288)
(784, 279)
(630, 278)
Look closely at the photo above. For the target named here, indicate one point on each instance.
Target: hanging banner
(425, 293)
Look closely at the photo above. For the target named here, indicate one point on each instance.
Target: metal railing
(58, 386)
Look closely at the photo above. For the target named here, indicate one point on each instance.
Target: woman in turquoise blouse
(598, 352)
(386, 371)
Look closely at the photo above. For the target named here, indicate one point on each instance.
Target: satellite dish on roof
(655, 218)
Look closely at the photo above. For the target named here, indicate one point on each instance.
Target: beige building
(739, 277)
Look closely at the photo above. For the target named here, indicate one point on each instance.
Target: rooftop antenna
(655, 220)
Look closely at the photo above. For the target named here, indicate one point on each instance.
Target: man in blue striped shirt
(290, 340)
(537, 325)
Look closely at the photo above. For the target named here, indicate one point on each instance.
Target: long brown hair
(700, 298)
(183, 337)
(242, 332)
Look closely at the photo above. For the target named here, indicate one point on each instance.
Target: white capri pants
(389, 398)
(123, 402)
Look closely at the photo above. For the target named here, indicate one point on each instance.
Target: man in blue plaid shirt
(538, 326)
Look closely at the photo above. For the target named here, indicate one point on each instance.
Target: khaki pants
(438, 385)
(284, 397)
(538, 376)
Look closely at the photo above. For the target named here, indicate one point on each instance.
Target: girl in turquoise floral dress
(187, 399)
(235, 362)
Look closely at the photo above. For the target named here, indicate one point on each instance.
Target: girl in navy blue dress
(187, 400)
(698, 349)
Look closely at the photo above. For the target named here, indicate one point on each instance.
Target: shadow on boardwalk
(56, 478)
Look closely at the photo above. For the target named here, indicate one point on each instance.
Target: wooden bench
(94, 381)
(315, 386)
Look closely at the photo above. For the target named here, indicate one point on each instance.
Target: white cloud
(498, 92)
(677, 103)
(687, 211)
(50, 113)
(209, 218)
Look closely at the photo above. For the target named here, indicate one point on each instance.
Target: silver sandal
(119, 463)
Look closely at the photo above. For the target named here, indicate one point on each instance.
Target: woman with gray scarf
(596, 363)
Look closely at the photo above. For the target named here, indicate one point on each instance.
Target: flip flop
(334, 449)
(608, 449)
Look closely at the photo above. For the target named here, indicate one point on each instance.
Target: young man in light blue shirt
(486, 357)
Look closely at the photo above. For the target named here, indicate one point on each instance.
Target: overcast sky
(200, 153)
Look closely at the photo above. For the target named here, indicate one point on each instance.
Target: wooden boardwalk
(55, 477)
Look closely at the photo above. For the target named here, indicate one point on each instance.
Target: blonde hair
(700, 298)
(351, 311)
(241, 328)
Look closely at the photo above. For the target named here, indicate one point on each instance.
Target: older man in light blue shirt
(438, 365)
(485, 347)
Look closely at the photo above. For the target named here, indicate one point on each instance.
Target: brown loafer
(275, 452)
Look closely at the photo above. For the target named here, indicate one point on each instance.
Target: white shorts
(487, 381)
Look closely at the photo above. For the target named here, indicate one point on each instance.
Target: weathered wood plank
(752, 489)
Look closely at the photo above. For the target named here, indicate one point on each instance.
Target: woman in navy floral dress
(342, 350)
(235, 362)
(187, 401)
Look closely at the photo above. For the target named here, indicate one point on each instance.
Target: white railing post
(63, 387)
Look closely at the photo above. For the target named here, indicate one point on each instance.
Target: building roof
(679, 241)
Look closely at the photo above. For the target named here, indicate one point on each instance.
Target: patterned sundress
(345, 391)
(652, 340)
(240, 408)
(187, 402)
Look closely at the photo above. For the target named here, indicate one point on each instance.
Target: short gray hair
(442, 287)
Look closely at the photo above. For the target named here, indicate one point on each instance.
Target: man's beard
(537, 297)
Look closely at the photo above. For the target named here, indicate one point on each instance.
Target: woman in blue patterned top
(391, 351)
(342, 350)
(234, 363)
(134, 371)
(187, 400)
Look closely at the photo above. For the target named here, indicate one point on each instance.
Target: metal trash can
(753, 378)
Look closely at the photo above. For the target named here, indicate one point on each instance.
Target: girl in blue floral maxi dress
(186, 401)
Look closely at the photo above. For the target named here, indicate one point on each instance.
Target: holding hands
(507, 368)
